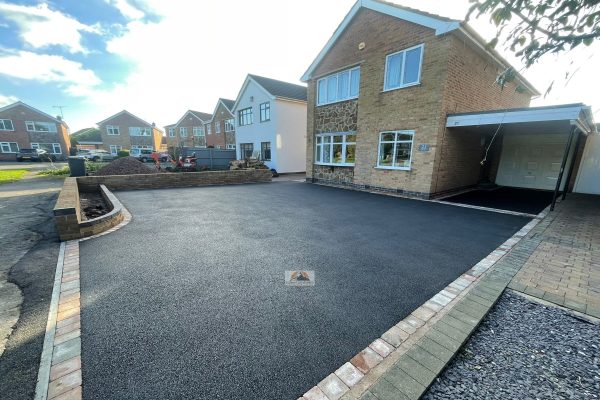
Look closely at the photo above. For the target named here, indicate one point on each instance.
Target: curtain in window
(393, 68)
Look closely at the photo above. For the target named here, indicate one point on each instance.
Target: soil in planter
(92, 205)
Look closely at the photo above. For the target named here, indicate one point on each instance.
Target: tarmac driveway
(188, 301)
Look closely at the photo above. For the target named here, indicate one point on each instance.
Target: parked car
(145, 155)
(95, 155)
(35, 155)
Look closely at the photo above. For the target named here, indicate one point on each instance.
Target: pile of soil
(124, 166)
(92, 205)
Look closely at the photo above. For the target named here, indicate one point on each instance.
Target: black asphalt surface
(188, 301)
(512, 199)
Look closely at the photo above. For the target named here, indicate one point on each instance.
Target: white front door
(588, 178)
(531, 161)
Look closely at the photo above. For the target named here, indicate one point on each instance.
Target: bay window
(341, 86)
(395, 150)
(335, 149)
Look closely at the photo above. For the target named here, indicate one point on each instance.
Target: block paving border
(59, 376)
(405, 360)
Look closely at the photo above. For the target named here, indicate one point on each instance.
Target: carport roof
(554, 117)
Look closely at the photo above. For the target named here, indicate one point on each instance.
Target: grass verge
(11, 175)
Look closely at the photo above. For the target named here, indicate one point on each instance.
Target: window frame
(183, 132)
(263, 148)
(2, 144)
(242, 145)
(112, 128)
(47, 146)
(141, 131)
(231, 123)
(208, 129)
(172, 132)
(319, 148)
(395, 142)
(230, 146)
(217, 127)
(51, 126)
(266, 110)
(199, 129)
(117, 147)
(337, 88)
(3, 126)
(247, 112)
(402, 85)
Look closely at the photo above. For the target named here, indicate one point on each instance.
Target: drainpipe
(562, 167)
(572, 166)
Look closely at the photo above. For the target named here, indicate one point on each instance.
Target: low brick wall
(67, 213)
(173, 180)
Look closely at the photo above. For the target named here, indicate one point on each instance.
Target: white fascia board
(440, 26)
(507, 117)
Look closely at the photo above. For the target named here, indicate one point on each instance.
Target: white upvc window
(218, 127)
(171, 132)
(139, 131)
(230, 125)
(230, 147)
(56, 148)
(142, 146)
(52, 148)
(112, 130)
(340, 86)
(35, 126)
(208, 129)
(395, 150)
(183, 131)
(114, 149)
(198, 131)
(9, 147)
(403, 69)
(6, 125)
(335, 148)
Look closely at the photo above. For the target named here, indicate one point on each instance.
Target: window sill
(394, 168)
(337, 101)
(334, 165)
(401, 87)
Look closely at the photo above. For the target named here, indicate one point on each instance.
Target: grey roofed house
(228, 103)
(281, 89)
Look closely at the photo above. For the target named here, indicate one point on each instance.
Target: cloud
(6, 100)
(39, 26)
(127, 9)
(70, 75)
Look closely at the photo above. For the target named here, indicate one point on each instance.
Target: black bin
(77, 166)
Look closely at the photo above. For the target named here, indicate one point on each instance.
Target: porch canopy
(572, 119)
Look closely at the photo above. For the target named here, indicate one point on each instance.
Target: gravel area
(525, 350)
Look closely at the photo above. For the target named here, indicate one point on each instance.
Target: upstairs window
(265, 112)
(338, 87)
(139, 131)
(229, 125)
(112, 130)
(6, 125)
(171, 132)
(245, 116)
(403, 68)
(218, 127)
(198, 131)
(183, 131)
(208, 129)
(34, 126)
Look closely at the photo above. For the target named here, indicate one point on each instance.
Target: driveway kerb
(60, 376)
(427, 340)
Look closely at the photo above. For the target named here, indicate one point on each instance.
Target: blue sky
(158, 58)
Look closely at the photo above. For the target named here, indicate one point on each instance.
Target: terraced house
(25, 127)
(125, 131)
(404, 101)
(220, 131)
(189, 131)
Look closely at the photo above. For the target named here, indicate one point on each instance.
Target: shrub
(91, 167)
(56, 171)
(122, 153)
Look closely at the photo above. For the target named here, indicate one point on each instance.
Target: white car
(95, 155)
(144, 155)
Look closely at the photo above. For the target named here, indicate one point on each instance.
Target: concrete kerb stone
(60, 374)
(434, 332)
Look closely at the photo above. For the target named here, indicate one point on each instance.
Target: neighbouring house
(25, 127)
(220, 131)
(86, 139)
(271, 123)
(189, 131)
(404, 101)
(125, 131)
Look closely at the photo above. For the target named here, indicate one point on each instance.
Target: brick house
(383, 92)
(125, 131)
(25, 127)
(189, 131)
(271, 123)
(220, 130)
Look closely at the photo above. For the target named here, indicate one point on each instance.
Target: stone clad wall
(337, 117)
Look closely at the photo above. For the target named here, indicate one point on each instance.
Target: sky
(159, 58)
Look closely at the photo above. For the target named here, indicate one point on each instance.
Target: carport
(531, 149)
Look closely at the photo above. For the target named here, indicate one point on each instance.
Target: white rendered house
(271, 123)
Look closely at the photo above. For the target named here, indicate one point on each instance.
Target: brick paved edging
(59, 376)
(405, 360)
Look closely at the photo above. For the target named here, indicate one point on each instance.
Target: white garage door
(588, 179)
(531, 161)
